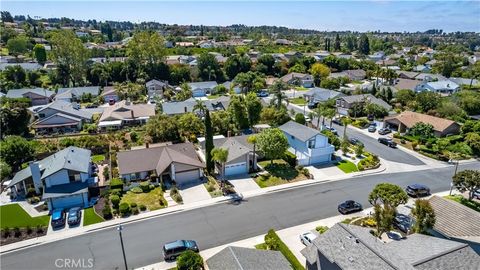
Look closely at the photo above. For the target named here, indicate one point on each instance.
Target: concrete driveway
(243, 183)
(194, 192)
(324, 171)
(51, 230)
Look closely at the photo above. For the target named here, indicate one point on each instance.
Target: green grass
(460, 199)
(283, 248)
(151, 199)
(348, 220)
(268, 181)
(298, 101)
(90, 217)
(301, 88)
(262, 246)
(98, 158)
(214, 96)
(13, 215)
(4, 51)
(347, 166)
(280, 169)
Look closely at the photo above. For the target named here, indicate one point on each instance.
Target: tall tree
(238, 110)
(17, 45)
(254, 108)
(146, 48)
(249, 81)
(319, 72)
(16, 150)
(277, 89)
(14, 116)
(209, 68)
(336, 45)
(220, 155)
(273, 143)
(424, 216)
(208, 142)
(269, 62)
(364, 45)
(467, 180)
(236, 64)
(252, 139)
(385, 198)
(40, 53)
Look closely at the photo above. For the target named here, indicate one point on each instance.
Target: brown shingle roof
(455, 220)
(183, 155)
(123, 110)
(411, 118)
(406, 84)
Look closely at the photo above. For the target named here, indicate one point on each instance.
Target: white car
(307, 238)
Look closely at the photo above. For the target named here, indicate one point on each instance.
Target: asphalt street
(217, 224)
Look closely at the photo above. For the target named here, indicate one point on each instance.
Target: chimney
(36, 175)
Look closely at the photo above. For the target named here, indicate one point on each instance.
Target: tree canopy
(273, 143)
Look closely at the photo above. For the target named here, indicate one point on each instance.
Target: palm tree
(319, 112)
(277, 89)
(329, 113)
(220, 155)
(199, 106)
(345, 122)
(253, 140)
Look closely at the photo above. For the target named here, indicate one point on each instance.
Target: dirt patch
(12, 236)
(100, 205)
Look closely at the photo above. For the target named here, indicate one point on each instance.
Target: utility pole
(119, 229)
(455, 173)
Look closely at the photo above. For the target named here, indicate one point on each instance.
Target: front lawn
(298, 101)
(90, 217)
(460, 199)
(347, 166)
(13, 215)
(280, 172)
(301, 88)
(214, 96)
(153, 200)
(98, 158)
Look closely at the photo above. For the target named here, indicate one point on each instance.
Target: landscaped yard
(90, 217)
(214, 96)
(98, 158)
(153, 200)
(213, 188)
(280, 172)
(460, 199)
(347, 166)
(298, 101)
(13, 215)
(301, 88)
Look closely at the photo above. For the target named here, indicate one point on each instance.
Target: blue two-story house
(309, 145)
(62, 179)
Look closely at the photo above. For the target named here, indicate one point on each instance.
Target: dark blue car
(262, 94)
(58, 218)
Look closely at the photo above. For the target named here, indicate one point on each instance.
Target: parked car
(74, 216)
(173, 249)
(370, 117)
(90, 106)
(337, 121)
(402, 222)
(417, 190)
(58, 218)
(312, 104)
(262, 94)
(334, 131)
(388, 142)
(476, 194)
(307, 238)
(349, 207)
(355, 141)
(384, 131)
(372, 128)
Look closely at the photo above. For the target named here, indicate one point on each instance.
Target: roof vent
(68, 161)
(351, 259)
(357, 240)
(72, 150)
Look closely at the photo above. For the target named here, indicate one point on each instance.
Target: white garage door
(320, 159)
(234, 169)
(187, 177)
(67, 202)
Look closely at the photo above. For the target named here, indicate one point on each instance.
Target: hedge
(273, 240)
(290, 158)
(116, 183)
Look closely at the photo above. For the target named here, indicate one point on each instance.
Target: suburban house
(63, 178)
(60, 116)
(231, 86)
(309, 145)
(25, 66)
(180, 107)
(404, 121)
(353, 247)
(410, 75)
(299, 79)
(321, 94)
(240, 154)
(125, 113)
(76, 93)
(240, 258)
(177, 162)
(109, 94)
(353, 74)
(430, 77)
(445, 87)
(455, 221)
(155, 88)
(344, 103)
(464, 81)
(422, 68)
(201, 89)
(38, 96)
(405, 84)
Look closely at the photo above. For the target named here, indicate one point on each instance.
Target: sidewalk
(290, 236)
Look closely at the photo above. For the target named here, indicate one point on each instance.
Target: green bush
(135, 211)
(107, 212)
(190, 260)
(117, 192)
(145, 186)
(136, 190)
(290, 158)
(321, 229)
(116, 183)
(210, 187)
(31, 192)
(142, 207)
(115, 200)
(133, 205)
(124, 209)
(275, 243)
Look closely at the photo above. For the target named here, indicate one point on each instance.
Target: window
(311, 144)
(74, 177)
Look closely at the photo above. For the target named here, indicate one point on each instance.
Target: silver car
(307, 238)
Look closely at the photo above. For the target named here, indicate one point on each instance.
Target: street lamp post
(119, 229)
(451, 184)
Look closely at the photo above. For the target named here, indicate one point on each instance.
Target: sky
(318, 15)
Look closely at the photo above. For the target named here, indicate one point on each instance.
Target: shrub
(136, 190)
(124, 209)
(6, 232)
(39, 229)
(321, 229)
(31, 192)
(107, 212)
(17, 232)
(210, 187)
(290, 158)
(142, 207)
(145, 186)
(275, 243)
(135, 211)
(104, 193)
(189, 260)
(29, 229)
(116, 183)
(414, 144)
(177, 197)
(117, 192)
(133, 205)
(115, 199)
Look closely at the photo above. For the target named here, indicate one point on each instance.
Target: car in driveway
(476, 194)
(58, 218)
(74, 216)
(355, 141)
(349, 206)
(337, 121)
(384, 131)
(333, 130)
(312, 104)
(388, 142)
(417, 190)
(173, 249)
(307, 238)
(372, 128)
(262, 94)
